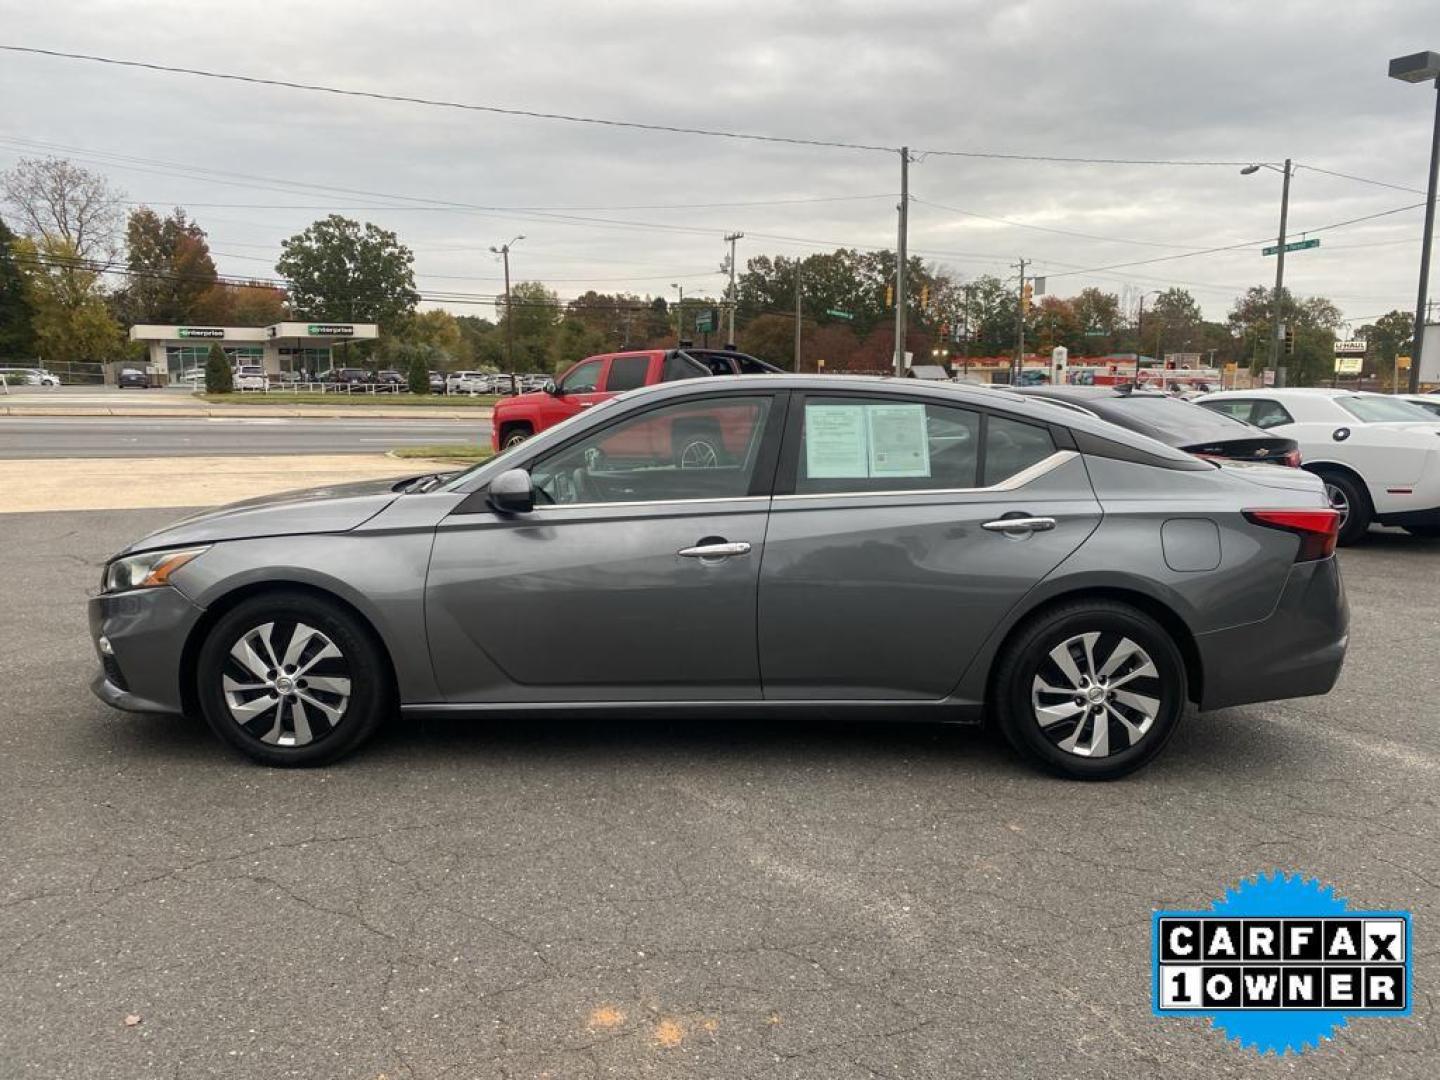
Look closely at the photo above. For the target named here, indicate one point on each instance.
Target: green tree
(171, 270)
(419, 376)
(219, 379)
(69, 316)
(533, 316)
(17, 333)
(1389, 336)
(340, 271)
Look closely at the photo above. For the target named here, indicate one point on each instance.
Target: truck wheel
(514, 435)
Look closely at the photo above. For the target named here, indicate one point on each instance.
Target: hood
(333, 509)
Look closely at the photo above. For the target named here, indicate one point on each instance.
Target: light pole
(679, 313)
(1140, 336)
(1276, 326)
(730, 239)
(1415, 69)
(504, 252)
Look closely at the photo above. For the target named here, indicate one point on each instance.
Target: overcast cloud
(1215, 80)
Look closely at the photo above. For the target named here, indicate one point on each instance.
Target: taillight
(1317, 529)
(1292, 459)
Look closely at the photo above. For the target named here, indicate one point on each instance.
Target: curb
(184, 412)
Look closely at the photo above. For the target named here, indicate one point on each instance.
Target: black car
(1174, 422)
(132, 378)
(352, 376)
(437, 382)
(390, 380)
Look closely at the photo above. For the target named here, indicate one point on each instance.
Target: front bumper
(147, 630)
(1296, 652)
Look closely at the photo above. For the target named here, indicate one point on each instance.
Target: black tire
(362, 662)
(1027, 657)
(1356, 505)
(514, 435)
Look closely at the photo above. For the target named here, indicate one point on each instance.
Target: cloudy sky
(617, 209)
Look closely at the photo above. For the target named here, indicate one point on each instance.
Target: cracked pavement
(661, 899)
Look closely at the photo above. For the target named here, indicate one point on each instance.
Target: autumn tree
(242, 303)
(341, 271)
(64, 207)
(171, 271)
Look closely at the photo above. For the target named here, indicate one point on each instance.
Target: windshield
(514, 451)
(1170, 420)
(1379, 410)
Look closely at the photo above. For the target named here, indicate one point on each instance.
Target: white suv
(250, 377)
(467, 382)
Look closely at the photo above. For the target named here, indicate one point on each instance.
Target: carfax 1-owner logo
(1280, 962)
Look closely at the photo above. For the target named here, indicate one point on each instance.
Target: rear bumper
(1296, 652)
(147, 630)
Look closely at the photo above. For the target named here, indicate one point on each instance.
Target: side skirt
(927, 712)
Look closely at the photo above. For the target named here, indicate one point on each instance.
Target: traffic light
(925, 296)
(889, 295)
(1027, 294)
(1289, 341)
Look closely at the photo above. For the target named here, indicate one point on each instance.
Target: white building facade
(308, 347)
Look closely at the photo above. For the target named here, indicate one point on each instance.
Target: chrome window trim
(1010, 483)
(652, 502)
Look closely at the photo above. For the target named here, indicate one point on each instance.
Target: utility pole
(797, 313)
(1422, 305)
(1277, 327)
(969, 300)
(504, 252)
(679, 314)
(901, 256)
(730, 239)
(1019, 326)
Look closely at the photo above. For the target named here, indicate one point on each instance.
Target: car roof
(1086, 393)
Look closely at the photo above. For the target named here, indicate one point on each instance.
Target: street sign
(706, 321)
(1267, 377)
(839, 314)
(1349, 365)
(1294, 245)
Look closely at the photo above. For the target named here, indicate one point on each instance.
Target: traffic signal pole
(1276, 323)
(1421, 305)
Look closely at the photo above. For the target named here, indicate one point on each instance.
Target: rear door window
(626, 373)
(1012, 446)
(857, 445)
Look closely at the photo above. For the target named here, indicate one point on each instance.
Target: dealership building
(286, 346)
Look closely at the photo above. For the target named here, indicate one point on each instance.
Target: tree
(59, 202)
(341, 272)
(419, 377)
(249, 303)
(770, 337)
(1172, 322)
(69, 315)
(1387, 337)
(172, 272)
(17, 334)
(219, 379)
(532, 316)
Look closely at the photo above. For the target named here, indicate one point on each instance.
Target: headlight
(146, 571)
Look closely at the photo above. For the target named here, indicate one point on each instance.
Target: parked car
(1379, 456)
(288, 378)
(129, 378)
(250, 377)
(352, 376)
(1175, 422)
(1076, 582)
(599, 378)
(17, 376)
(437, 382)
(390, 380)
(467, 382)
(192, 377)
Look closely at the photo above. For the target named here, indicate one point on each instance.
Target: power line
(1046, 228)
(1362, 179)
(572, 118)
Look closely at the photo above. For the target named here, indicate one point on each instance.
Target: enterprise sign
(202, 331)
(330, 330)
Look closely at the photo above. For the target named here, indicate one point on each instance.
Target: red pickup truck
(597, 378)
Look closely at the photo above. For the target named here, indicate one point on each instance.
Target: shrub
(218, 377)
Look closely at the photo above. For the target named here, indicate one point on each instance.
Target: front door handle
(723, 550)
(1020, 524)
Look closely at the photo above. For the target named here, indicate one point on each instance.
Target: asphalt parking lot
(660, 899)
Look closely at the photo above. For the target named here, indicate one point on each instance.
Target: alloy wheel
(1338, 502)
(514, 439)
(286, 683)
(1096, 694)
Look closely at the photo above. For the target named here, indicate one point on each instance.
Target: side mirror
(512, 492)
(552, 388)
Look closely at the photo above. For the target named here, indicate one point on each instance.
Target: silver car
(758, 546)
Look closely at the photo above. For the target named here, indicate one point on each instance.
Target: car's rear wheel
(1091, 690)
(1350, 500)
(292, 679)
(514, 435)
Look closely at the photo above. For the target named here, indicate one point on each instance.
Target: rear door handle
(715, 551)
(1020, 524)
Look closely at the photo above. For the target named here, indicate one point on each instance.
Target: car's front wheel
(288, 678)
(1091, 690)
(514, 435)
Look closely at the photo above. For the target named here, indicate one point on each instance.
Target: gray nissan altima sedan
(758, 546)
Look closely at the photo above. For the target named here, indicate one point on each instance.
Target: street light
(1276, 328)
(504, 252)
(1140, 335)
(1417, 68)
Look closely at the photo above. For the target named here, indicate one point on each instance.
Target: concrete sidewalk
(416, 412)
(42, 485)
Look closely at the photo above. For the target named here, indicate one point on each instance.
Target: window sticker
(836, 442)
(899, 445)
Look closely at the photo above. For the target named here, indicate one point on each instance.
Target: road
(52, 437)
(650, 899)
